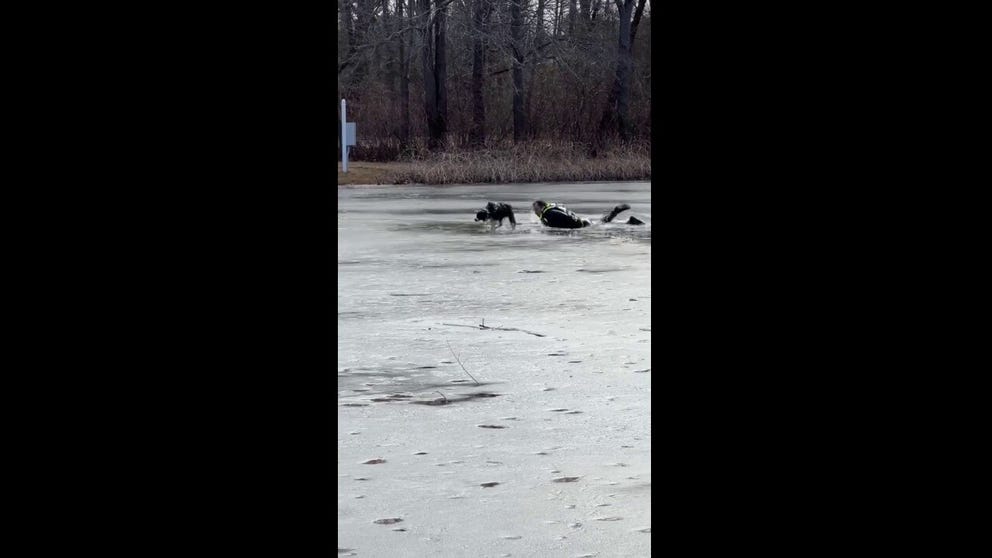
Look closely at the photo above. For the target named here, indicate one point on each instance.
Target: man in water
(558, 217)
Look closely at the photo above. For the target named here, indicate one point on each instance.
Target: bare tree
(517, 47)
(480, 16)
(435, 70)
(618, 104)
(491, 70)
(404, 71)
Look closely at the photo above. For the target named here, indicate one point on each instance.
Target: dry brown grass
(538, 161)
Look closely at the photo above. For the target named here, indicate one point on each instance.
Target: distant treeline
(424, 75)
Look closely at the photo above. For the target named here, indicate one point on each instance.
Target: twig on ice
(483, 326)
(460, 364)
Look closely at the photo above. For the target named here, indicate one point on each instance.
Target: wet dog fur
(494, 213)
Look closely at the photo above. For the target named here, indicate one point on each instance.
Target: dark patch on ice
(601, 270)
(392, 397)
(488, 484)
(449, 399)
(388, 520)
(467, 227)
(417, 211)
(530, 271)
(409, 294)
(390, 379)
(565, 479)
(458, 265)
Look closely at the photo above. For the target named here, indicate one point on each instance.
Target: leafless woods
(434, 74)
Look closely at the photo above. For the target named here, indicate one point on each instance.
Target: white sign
(351, 133)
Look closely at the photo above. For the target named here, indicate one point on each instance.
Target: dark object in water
(559, 217)
(494, 213)
(614, 212)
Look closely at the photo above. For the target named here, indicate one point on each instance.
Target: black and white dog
(494, 213)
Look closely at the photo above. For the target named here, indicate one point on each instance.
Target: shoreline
(438, 173)
(345, 186)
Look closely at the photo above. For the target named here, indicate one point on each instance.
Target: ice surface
(574, 308)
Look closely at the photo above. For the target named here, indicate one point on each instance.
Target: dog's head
(482, 215)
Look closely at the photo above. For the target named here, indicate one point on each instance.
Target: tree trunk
(347, 20)
(618, 104)
(584, 9)
(480, 12)
(404, 78)
(349, 25)
(435, 73)
(539, 24)
(516, 43)
(625, 66)
(441, 73)
(637, 20)
(572, 15)
(540, 38)
(363, 22)
(391, 25)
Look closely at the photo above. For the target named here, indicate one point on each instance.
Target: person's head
(539, 206)
(481, 215)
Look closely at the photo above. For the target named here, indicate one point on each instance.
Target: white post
(344, 140)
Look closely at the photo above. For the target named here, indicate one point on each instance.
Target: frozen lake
(566, 383)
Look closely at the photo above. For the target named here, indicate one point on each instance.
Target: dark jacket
(558, 217)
